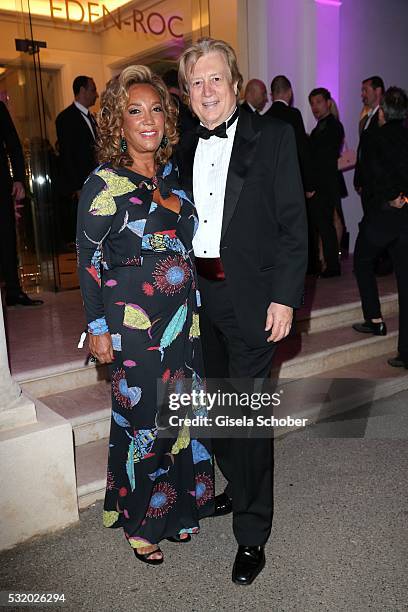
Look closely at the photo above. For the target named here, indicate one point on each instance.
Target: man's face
(320, 106)
(212, 95)
(90, 93)
(370, 96)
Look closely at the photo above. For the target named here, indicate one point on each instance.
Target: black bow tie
(220, 130)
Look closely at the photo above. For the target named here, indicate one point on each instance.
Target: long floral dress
(138, 282)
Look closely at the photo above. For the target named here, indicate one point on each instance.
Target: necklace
(150, 184)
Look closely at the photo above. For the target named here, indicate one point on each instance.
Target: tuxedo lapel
(243, 151)
(185, 157)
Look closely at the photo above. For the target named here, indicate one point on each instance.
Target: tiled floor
(48, 335)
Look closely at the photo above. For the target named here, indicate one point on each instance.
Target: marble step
(57, 378)
(90, 466)
(88, 407)
(311, 399)
(341, 315)
(312, 354)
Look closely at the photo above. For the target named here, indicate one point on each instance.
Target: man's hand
(279, 320)
(309, 194)
(101, 347)
(398, 202)
(18, 191)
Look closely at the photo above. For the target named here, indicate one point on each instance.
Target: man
(255, 96)
(76, 132)
(282, 97)
(372, 90)
(11, 188)
(385, 222)
(251, 255)
(186, 120)
(326, 141)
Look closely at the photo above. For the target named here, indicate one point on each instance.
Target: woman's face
(143, 120)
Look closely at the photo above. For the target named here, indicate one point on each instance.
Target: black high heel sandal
(144, 557)
(177, 539)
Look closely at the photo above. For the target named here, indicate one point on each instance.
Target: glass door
(31, 94)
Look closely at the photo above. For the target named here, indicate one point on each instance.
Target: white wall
(284, 37)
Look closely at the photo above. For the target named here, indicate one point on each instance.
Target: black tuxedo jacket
(264, 233)
(76, 149)
(326, 141)
(387, 165)
(293, 116)
(361, 172)
(9, 146)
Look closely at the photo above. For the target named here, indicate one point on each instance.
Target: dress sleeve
(96, 209)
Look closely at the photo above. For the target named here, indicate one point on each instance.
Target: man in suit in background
(326, 141)
(282, 99)
(76, 133)
(11, 188)
(255, 96)
(372, 90)
(385, 221)
(251, 255)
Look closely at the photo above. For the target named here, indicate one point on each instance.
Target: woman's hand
(101, 347)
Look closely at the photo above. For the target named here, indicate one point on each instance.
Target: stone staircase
(324, 349)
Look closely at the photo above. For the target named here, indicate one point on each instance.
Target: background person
(76, 133)
(385, 222)
(281, 108)
(255, 96)
(11, 189)
(326, 141)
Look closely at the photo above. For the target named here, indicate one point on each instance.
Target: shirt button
(205, 220)
(212, 165)
(205, 251)
(210, 192)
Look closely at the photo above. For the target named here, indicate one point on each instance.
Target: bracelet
(98, 327)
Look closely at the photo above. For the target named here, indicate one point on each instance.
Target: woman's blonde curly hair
(114, 102)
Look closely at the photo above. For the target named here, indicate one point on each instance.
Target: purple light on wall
(329, 2)
(328, 45)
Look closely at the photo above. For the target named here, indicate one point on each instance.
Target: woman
(135, 227)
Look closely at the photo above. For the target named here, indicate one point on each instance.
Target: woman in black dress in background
(134, 233)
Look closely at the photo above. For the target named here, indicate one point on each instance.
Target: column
(15, 409)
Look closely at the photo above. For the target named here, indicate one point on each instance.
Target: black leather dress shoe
(398, 362)
(222, 505)
(368, 327)
(249, 562)
(22, 299)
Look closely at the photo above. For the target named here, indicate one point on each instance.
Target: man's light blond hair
(203, 46)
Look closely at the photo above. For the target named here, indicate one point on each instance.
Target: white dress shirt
(370, 115)
(84, 112)
(211, 163)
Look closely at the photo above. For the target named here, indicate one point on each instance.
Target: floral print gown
(138, 282)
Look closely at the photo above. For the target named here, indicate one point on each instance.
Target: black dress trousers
(247, 464)
(379, 230)
(8, 246)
